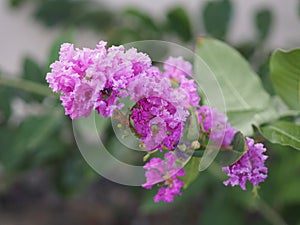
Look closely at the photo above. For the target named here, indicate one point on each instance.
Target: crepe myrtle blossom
(159, 113)
(250, 167)
(91, 79)
(99, 79)
(180, 72)
(154, 121)
(165, 173)
(215, 125)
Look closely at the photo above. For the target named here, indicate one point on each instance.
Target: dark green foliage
(32, 71)
(263, 22)
(59, 12)
(179, 22)
(216, 18)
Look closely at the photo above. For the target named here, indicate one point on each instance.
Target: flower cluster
(94, 79)
(215, 126)
(99, 79)
(249, 167)
(164, 172)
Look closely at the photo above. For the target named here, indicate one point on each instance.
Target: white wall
(21, 35)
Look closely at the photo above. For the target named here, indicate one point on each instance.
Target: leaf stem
(28, 86)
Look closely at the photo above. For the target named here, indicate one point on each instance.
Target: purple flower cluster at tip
(215, 124)
(94, 79)
(155, 121)
(251, 166)
(166, 173)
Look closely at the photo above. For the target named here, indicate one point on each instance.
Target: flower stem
(28, 86)
(270, 214)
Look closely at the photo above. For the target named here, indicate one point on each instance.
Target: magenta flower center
(153, 120)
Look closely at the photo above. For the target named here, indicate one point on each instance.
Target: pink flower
(164, 172)
(94, 79)
(180, 72)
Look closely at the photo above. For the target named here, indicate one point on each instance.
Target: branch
(28, 86)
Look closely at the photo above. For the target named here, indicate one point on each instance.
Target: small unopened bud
(142, 145)
(195, 144)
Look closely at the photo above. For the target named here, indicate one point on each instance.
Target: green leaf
(179, 22)
(263, 22)
(54, 12)
(216, 17)
(282, 132)
(285, 76)
(239, 148)
(143, 18)
(32, 134)
(98, 19)
(241, 88)
(191, 171)
(32, 71)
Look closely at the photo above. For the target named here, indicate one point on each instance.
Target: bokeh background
(44, 179)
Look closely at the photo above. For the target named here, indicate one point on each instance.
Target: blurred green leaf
(263, 22)
(237, 82)
(30, 137)
(143, 18)
(216, 17)
(191, 171)
(123, 35)
(247, 49)
(32, 71)
(282, 132)
(54, 12)
(99, 19)
(6, 95)
(264, 73)
(16, 3)
(179, 22)
(285, 75)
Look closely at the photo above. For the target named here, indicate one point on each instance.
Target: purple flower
(251, 166)
(215, 125)
(177, 68)
(179, 72)
(154, 121)
(164, 172)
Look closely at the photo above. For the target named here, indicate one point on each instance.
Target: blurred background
(43, 177)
